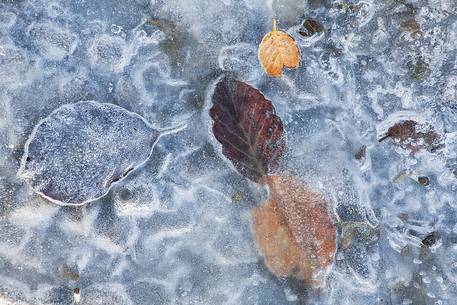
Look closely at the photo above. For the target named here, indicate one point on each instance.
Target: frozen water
(7, 19)
(77, 153)
(14, 64)
(108, 53)
(177, 230)
(52, 42)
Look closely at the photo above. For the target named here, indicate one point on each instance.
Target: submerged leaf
(294, 231)
(246, 124)
(75, 154)
(277, 50)
(411, 135)
(411, 26)
(419, 69)
(282, 254)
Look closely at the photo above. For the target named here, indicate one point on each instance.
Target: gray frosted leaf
(75, 154)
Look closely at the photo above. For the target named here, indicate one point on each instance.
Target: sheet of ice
(177, 231)
(80, 150)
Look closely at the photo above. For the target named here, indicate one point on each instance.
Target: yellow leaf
(277, 50)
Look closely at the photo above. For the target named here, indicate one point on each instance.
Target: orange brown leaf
(277, 50)
(294, 231)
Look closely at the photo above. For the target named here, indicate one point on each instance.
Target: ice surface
(53, 42)
(75, 154)
(177, 230)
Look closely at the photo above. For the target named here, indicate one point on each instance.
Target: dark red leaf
(246, 124)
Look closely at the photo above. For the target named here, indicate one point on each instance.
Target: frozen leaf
(294, 231)
(75, 154)
(282, 254)
(277, 50)
(411, 26)
(246, 124)
(414, 136)
(307, 215)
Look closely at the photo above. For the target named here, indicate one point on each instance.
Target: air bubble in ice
(116, 29)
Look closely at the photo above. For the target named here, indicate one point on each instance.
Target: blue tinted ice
(75, 154)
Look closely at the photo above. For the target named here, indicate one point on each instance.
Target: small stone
(310, 27)
(116, 29)
(236, 198)
(419, 69)
(361, 153)
(430, 239)
(403, 217)
(423, 180)
(70, 273)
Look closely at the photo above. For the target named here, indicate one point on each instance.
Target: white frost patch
(109, 53)
(14, 65)
(54, 42)
(33, 216)
(104, 243)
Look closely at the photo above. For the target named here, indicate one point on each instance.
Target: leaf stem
(268, 180)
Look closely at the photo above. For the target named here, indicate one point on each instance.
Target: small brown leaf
(277, 50)
(413, 136)
(294, 231)
(246, 124)
(412, 27)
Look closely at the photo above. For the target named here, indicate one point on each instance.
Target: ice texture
(177, 230)
(75, 154)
